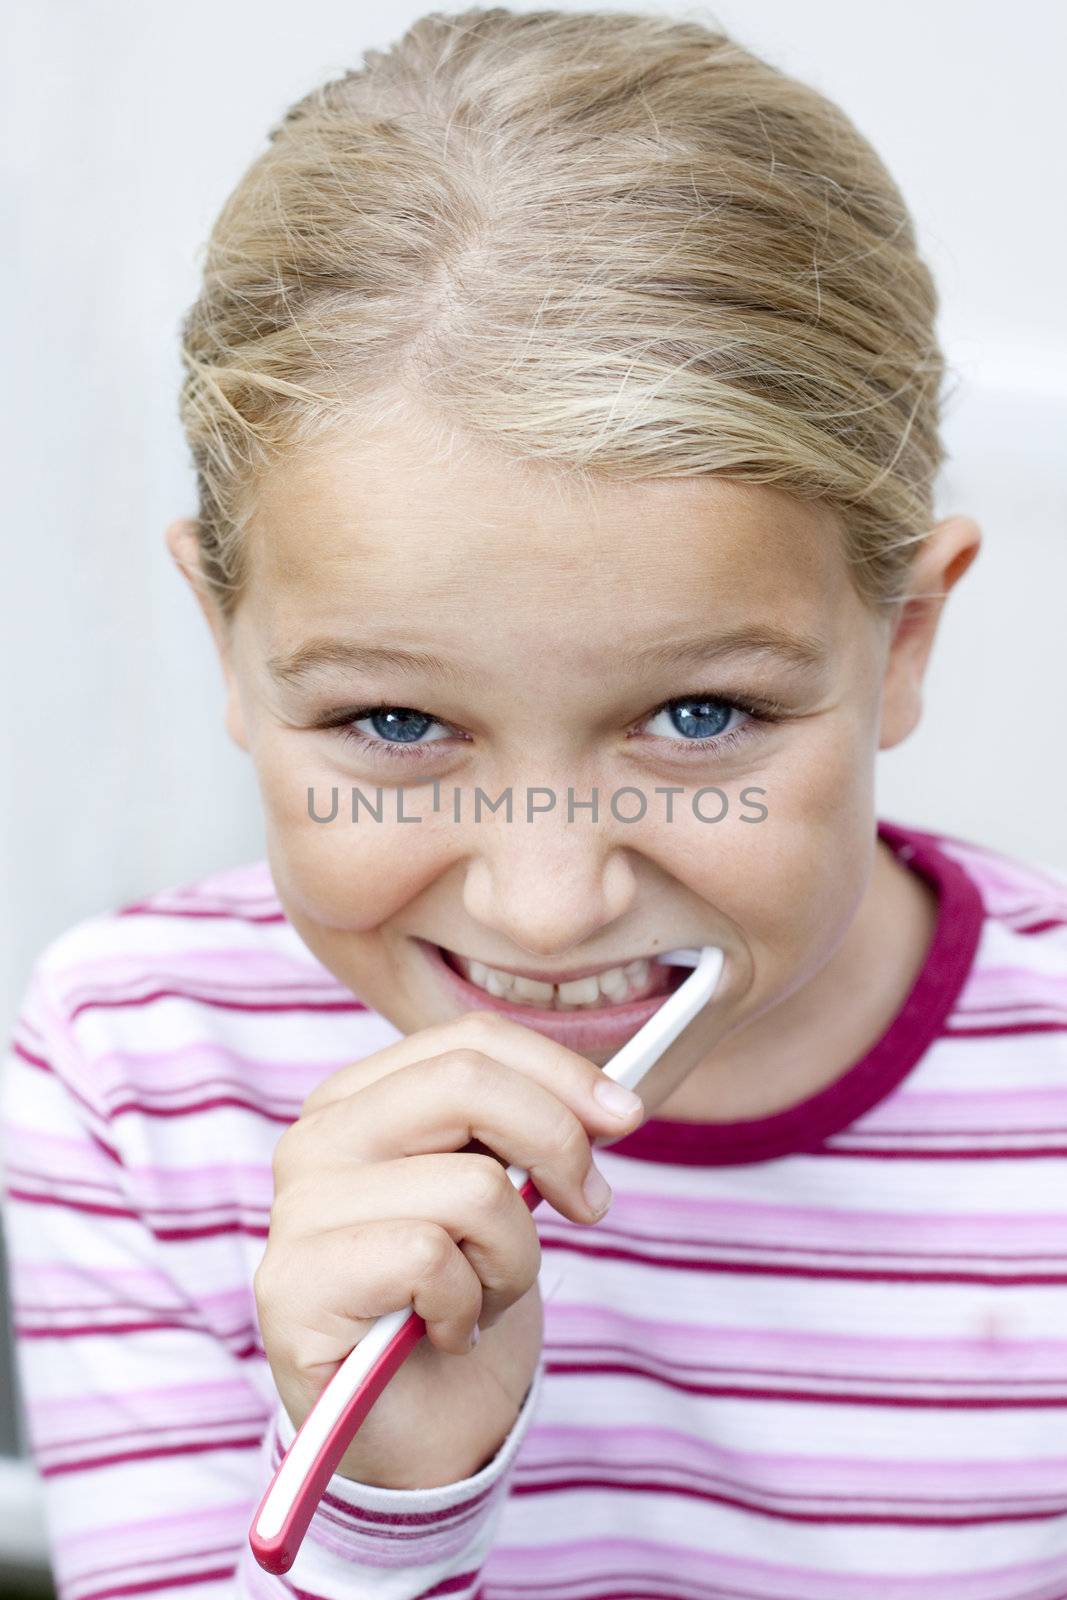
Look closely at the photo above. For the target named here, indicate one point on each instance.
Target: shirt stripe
(802, 1354)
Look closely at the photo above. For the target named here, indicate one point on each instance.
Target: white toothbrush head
(679, 958)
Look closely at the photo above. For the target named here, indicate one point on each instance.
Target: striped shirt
(802, 1354)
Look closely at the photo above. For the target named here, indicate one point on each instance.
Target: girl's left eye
(701, 721)
(696, 722)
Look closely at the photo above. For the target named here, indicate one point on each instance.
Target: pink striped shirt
(802, 1355)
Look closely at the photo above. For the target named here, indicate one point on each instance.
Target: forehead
(362, 522)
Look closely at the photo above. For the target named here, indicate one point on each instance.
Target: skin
(542, 594)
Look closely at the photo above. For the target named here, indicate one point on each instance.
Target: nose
(548, 887)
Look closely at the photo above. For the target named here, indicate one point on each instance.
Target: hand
(391, 1190)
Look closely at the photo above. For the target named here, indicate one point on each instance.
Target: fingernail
(476, 1334)
(596, 1190)
(614, 1098)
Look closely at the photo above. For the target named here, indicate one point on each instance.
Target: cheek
(789, 884)
(340, 873)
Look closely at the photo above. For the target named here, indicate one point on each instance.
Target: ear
(183, 542)
(944, 557)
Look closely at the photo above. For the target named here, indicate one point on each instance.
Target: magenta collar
(804, 1126)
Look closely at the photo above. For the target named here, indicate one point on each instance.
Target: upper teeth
(617, 984)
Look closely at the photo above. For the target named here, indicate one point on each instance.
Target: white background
(129, 121)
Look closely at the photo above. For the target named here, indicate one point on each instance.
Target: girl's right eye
(399, 730)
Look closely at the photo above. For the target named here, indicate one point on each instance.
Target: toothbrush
(290, 1500)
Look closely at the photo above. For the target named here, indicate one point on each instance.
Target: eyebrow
(320, 654)
(802, 652)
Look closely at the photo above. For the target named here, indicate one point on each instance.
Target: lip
(587, 1032)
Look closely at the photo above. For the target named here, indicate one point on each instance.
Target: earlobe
(184, 545)
(901, 705)
(235, 722)
(945, 556)
(183, 542)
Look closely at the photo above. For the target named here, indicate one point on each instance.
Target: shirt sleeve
(152, 1447)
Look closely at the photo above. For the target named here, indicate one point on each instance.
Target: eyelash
(760, 713)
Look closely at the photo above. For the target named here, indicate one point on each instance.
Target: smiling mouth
(637, 980)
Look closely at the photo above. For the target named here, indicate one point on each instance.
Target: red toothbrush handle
(278, 1552)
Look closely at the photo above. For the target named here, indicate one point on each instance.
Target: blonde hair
(616, 244)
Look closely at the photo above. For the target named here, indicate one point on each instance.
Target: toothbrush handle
(276, 1552)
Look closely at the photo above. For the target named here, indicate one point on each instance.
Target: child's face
(553, 614)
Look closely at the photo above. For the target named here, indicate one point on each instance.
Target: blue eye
(698, 717)
(398, 724)
(397, 731)
(697, 724)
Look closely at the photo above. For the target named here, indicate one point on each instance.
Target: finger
(570, 1076)
(353, 1275)
(432, 1108)
(470, 1198)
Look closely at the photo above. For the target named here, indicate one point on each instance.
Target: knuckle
(487, 1182)
(467, 1065)
(290, 1149)
(281, 1156)
(312, 1103)
(283, 1210)
(430, 1247)
(485, 1026)
(263, 1283)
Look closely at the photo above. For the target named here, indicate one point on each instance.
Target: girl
(564, 397)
